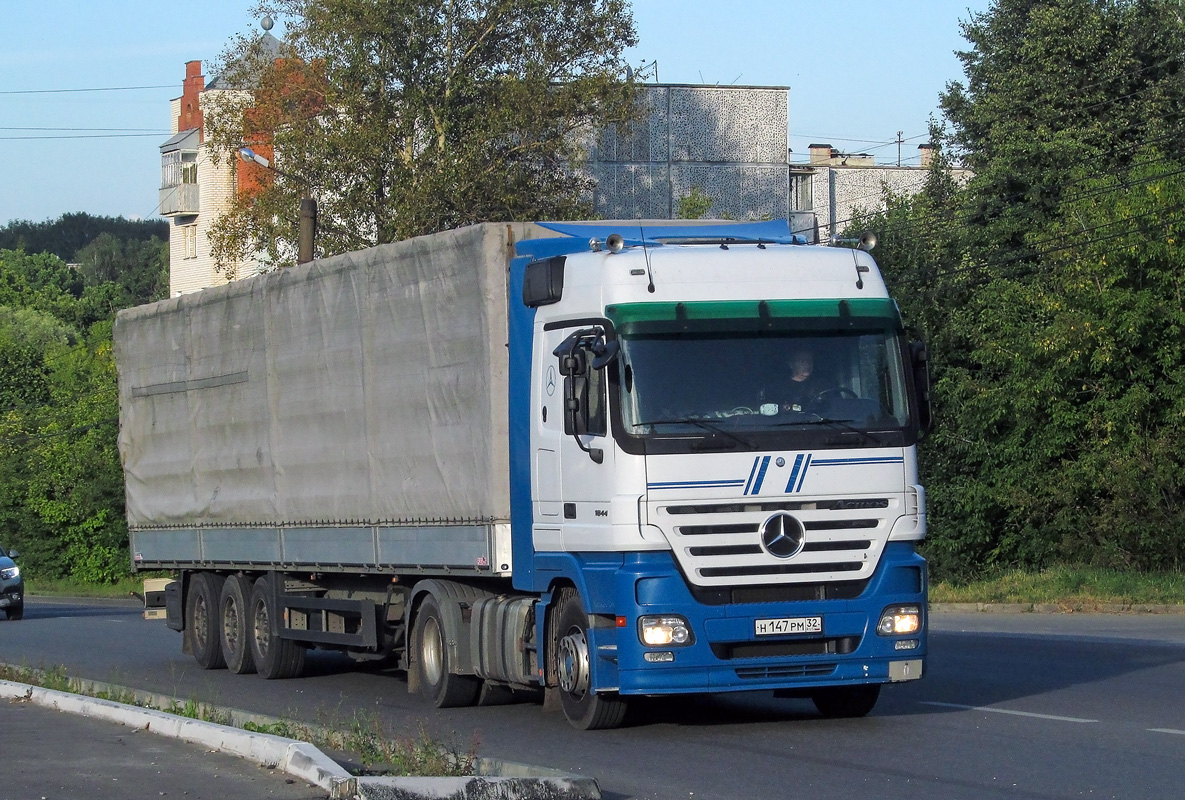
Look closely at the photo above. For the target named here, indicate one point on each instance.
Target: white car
(12, 585)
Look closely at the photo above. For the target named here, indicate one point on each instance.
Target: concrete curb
(1055, 608)
(298, 759)
(496, 780)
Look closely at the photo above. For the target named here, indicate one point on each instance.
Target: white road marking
(1166, 730)
(1013, 713)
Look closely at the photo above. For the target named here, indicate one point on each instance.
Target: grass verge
(127, 587)
(1070, 586)
(363, 740)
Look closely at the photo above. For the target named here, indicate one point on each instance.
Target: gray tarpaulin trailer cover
(350, 411)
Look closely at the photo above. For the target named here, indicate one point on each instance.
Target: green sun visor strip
(881, 309)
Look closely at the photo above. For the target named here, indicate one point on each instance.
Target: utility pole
(307, 233)
(899, 141)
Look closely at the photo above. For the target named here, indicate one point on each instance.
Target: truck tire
(437, 684)
(234, 625)
(585, 709)
(202, 620)
(837, 702)
(274, 658)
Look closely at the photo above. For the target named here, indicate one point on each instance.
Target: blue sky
(859, 71)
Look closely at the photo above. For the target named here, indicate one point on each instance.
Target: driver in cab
(803, 384)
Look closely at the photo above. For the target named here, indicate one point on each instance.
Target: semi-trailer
(573, 457)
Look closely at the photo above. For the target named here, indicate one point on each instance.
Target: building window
(800, 191)
(189, 241)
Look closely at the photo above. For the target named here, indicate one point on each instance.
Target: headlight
(664, 631)
(900, 621)
(11, 572)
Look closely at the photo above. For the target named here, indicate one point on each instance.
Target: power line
(1036, 249)
(81, 136)
(968, 208)
(78, 136)
(115, 130)
(93, 89)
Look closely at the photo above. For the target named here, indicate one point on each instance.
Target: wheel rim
(432, 651)
(263, 629)
(230, 625)
(201, 621)
(573, 666)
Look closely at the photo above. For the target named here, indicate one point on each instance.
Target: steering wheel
(841, 392)
(736, 412)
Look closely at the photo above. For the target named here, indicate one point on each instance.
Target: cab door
(574, 453)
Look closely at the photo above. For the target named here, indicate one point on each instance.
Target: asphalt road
(1016, 706)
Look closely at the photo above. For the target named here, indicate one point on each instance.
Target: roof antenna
(646, 255)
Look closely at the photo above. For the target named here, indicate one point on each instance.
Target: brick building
(195, 191)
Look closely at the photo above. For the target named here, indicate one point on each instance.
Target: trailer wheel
(437, 684)
(836, 702)
(234, 616)
(202, 620)
(274, 657)
(586, 709)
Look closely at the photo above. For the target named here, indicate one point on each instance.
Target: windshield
(757, 383)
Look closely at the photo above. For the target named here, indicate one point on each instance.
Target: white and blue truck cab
(720, 532)
(601, 460)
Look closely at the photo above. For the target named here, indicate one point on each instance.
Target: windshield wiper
(707, 426)
(834, 423)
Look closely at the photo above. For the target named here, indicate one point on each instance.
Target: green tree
(405, 118)
(1053, 85)
(693, 205)
(61, 487)
(69, 233)
(140, 267)
(1049, 287)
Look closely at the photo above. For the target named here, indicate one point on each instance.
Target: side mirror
(13, 554)
(581, 355)
(919, 358)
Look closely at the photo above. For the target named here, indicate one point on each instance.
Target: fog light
(659, 657)
(906, 644)
(663, 631)
(899, 621)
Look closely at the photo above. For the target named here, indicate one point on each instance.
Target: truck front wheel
(584, 708)
(274, 657)
(430, 646)
(202, 620)
(836, 702)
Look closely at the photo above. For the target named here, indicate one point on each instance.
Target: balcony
(179, 199)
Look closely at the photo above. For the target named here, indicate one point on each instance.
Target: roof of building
(181, 141)
(269, 48)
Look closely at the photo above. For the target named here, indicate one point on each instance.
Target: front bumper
(728, 655)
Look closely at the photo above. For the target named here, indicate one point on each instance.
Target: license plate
(787, 625)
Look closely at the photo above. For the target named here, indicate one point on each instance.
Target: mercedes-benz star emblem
(782, 535)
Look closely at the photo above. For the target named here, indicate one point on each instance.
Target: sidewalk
(57, 755)
(66, 746)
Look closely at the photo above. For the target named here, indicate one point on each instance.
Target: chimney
(926, 155)
(821, 153)
(194, 85)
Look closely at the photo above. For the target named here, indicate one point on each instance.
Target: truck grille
(788, 671)
(719, 543)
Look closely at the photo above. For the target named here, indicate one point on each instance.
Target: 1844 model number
(787, 625)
